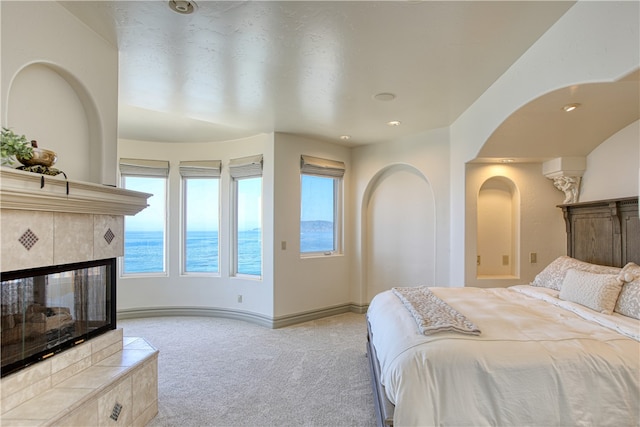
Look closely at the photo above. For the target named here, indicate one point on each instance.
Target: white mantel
(63, 221)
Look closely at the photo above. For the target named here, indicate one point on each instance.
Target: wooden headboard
(605, 232)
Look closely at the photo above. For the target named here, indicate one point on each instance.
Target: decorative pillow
(553, 274)
(599, 292)
(629, 300)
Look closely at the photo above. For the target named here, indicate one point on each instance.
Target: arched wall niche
(498, 229)
(398, 230)
(47, 103)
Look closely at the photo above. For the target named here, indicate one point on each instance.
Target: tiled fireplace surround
(109, 380)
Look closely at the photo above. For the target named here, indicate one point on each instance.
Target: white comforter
(534, 364)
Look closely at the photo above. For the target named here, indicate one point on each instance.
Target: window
(201, 189)
(320, 207)
(246, 174)
(144, 233)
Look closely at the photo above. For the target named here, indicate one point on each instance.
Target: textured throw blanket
(432, 314)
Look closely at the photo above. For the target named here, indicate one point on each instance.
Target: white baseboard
(272, 323)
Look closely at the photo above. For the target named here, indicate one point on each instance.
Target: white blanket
(535, 364)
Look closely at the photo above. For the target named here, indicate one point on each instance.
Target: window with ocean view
(144, 237)
(249, 226)
(246, 174)
(320, 185)
(201, 216)
(201, 225)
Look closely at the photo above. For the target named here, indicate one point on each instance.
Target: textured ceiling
(234, 69)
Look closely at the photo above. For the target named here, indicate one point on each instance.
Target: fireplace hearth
(50, 309)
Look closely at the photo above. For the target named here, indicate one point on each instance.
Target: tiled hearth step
(107, 381)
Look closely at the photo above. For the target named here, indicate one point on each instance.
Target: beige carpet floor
(224, 372)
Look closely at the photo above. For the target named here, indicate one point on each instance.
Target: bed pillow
(553, 274)
(628, 303)
(597, 291)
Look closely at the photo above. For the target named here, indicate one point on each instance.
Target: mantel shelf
(24, 191)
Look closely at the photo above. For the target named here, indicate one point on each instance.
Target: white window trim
(242, 168)
(183, 222)
(150, 169)
(325, 168)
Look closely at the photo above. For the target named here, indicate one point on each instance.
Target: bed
(563, 350)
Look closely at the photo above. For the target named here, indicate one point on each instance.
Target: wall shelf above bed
(605, 232)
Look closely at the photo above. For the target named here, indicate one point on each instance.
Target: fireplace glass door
(47, 310)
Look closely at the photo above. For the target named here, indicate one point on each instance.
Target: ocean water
(143, 250)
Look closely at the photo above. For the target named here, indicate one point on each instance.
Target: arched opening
(398, 230)
(50, 105)
(498, 229)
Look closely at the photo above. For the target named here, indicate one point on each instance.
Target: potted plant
(13, 145)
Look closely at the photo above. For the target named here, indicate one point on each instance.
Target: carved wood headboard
(605, 232)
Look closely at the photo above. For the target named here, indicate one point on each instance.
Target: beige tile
(102, 247)
(127, 357)
(70, 371)
(17, 398)
(106, 340)
(14, 223)
(22, 423)
(94, 377)
(146, 416)
(69, 357)
(138, 344)
(48, 404)
(145, 387)
(25, 377)
(85, 416)
(73, 237)
(118, 395)
(99, 356)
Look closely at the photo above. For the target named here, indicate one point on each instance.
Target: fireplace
(50, 309)
(59, 242)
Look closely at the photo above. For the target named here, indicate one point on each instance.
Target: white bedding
(536, 363)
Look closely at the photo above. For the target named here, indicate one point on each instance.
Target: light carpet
(225, 372)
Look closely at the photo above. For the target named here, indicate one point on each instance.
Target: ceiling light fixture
(394, 123)
(570, 107)
(345, 137)
(507, 161)
(183, 7)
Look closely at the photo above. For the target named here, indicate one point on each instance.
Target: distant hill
(315, 226)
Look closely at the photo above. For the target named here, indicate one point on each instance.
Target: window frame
(154, 169)
(241, 169)
(183, 230)
(329, 169)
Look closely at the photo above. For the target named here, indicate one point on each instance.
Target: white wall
(177, 291)
(612, 166)
(315, 283)
(60, 86)
(592, 42)
(419, 163)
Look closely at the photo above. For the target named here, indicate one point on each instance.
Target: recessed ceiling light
(184, 7)
(394, 123)
(345, 137)
(507, 161)
(384, 96)
(570, 107)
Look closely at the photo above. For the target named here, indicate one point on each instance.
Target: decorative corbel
(570, 185)
(566, 173)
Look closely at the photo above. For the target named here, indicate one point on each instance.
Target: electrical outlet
(478, 260)
(505, 259)
(283, 245)
(533, 257)
(240, 298)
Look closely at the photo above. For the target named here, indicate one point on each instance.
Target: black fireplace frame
(110, 308)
